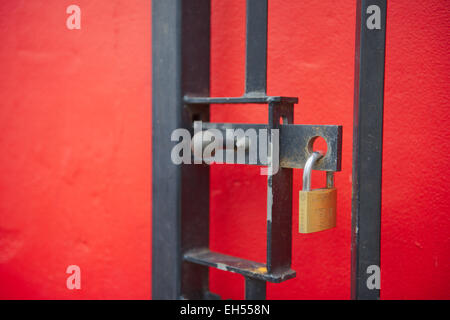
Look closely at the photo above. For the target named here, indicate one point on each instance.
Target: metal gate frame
(180, 89)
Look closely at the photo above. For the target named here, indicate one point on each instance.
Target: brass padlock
(317, 208)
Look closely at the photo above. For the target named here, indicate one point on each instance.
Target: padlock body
(317, 210)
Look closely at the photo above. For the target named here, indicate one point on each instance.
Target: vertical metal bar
(180, 65)
(279, 200)
(367, 145)
(255, 289)
(166, 96)
(256, 47)
(195, 178)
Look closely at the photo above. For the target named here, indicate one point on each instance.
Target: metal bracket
(181, 255)
(295, 143)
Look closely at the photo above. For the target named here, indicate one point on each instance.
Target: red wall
(75, 170)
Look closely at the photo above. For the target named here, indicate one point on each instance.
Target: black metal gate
(181, 55)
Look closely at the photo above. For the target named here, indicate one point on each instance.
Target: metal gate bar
(256, 48)
(180, 62)
(367, 144)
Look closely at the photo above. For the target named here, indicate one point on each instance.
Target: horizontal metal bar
(295, 143)
(247, 268)
(240, 100)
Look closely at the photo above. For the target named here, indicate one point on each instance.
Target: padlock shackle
(308, 169)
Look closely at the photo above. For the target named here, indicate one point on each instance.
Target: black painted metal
(367, 148)
(279, 218)
(279, 200)
(249, 269)
(195, 57)
(180, 36)
(294, 141)
(255, 289)
(245, 99)
(181, 255)
(256, 55)
(166, 200)
(296, 146)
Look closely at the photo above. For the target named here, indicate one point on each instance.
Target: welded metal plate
(295, 143)
(257, 99)
(247, 268)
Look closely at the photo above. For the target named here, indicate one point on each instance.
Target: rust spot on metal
(261, 270)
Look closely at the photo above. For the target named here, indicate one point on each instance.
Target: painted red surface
(75, 170)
